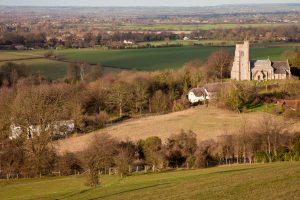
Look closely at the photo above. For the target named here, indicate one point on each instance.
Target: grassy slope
(259, 181)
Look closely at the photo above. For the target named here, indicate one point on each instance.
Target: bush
(69, 164)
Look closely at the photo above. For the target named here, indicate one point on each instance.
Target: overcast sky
(135, 2)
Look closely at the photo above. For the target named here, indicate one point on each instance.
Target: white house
(128, 42)
(197, 95)
(207, 92)
(60, 128)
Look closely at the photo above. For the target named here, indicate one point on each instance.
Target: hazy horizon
(136, 3)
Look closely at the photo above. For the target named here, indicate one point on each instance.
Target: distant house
(197, 95)
(60, 128)
(128, 42)
(207, 92)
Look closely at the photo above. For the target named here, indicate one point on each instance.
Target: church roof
(280, 67)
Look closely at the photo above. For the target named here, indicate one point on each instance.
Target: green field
(157, 58)
(18, 55)
(190, 42)
(258, 181)
(133, 59)
(49, 68)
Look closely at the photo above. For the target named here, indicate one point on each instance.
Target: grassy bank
(258, 181)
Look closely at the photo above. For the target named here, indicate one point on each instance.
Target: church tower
(241, 65)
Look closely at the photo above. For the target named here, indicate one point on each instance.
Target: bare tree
(219, 64)
(99, 156)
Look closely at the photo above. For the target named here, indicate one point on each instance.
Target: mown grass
(258, 181)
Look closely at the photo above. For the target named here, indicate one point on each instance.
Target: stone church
(244, 69)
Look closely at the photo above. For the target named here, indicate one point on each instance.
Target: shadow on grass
(232, 171)
(126, 191)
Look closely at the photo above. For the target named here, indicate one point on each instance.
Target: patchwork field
(207, 123)
(258, 181)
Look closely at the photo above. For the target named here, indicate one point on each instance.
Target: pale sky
(100, 3)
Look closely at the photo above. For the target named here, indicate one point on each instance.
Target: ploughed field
(132, 59)
(258, 181)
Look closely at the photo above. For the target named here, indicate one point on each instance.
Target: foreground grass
(259, 181)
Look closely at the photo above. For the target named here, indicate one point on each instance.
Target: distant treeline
(286, 33)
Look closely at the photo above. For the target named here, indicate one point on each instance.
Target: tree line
(286, 33)
(267, 34)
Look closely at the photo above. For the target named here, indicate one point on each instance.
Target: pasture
(257, 181)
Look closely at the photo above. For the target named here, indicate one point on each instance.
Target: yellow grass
(207, 123)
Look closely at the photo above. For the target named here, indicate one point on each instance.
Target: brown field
(207, 123)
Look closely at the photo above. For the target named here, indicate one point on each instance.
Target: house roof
(198, 92)
(210, 88)
(215, 87)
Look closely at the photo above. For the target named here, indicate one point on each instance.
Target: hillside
(206, 122)
(258, 181)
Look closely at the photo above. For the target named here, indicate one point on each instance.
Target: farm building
(60, 128)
